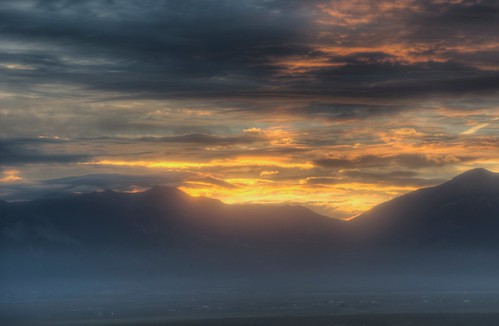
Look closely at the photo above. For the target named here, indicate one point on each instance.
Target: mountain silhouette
(461, 212)
(166, 226)
(160, 217)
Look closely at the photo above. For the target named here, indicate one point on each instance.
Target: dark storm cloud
(476, 19)
(385, 81)
(223, 49)
(27, 151)
(203, 139)
(158, 47)
(18, 151)
(338, 111)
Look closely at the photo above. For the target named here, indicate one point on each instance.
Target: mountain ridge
(464, 209)
(164, 230)
(163, 216)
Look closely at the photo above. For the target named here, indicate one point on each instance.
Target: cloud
(123, 48)
(113, 181)
(18, 151)
(203, 139)
(98, 182)
(10, 176)
(413, 161)
(253, 49)
(474, 129)
(399, 178)
(268, 173)
(351, 13)
(346, 111)
(216, 96)
(379, 179)
(80, 184)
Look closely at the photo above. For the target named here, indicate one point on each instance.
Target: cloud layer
(337, 105)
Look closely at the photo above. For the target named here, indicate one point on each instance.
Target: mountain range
(165, 222)
(159, 217)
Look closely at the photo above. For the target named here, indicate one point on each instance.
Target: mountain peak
(463, 210)
(475, 175)
(164, 192)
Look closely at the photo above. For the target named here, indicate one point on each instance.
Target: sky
(335, 105)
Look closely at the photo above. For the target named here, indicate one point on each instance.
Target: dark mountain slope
(164, 229)
(461, 212)
(160, 217)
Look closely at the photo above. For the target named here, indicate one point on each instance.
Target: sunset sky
(335, 105)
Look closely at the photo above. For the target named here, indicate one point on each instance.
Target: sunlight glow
(239, 162)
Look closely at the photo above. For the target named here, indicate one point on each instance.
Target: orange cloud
(300, 65)
(352, 13)
(474, 129)
(276, 135)
(11, 176)
(268, 173)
